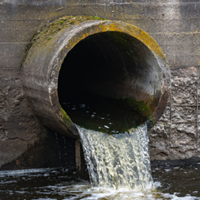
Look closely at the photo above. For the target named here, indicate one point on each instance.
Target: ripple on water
(60, 185)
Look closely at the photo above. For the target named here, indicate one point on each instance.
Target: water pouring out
(101, 88)
(99, 78)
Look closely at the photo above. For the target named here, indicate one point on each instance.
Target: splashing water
(116, 152)
(118, 160)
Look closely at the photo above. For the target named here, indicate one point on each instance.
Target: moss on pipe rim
(48, 32)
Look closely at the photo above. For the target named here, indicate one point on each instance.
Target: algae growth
(49, 31)
(105, 114)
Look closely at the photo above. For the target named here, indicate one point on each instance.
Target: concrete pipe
(110, 58)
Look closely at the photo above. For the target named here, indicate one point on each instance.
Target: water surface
(96, 112)
(60, 184)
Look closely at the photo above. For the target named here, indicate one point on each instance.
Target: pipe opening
(110, 82)
(107, 64)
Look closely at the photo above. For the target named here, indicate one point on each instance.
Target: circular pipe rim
(79, 32)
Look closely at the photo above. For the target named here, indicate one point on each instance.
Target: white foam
(96, 193)
(23, 172)
(118, 160)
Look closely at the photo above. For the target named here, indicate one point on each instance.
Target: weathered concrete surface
(173, 24)
(175, 136)
(50, 150)
(24, 142)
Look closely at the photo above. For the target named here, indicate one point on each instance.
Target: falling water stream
(114, 141)
(118, 160)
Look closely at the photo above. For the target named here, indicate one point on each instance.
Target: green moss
(65, 117)
(138, 106)
(99, 18)
(48, 32)
(118, 114)
(72, 22)
(128, 103)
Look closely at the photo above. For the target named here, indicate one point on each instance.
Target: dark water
(58, 184)
(99, 113)
(179, 181)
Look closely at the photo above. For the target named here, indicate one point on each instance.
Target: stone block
(195, 49)
(3, 134)
(3, 108)
(176, 154)
(196, 39)
(191, 60)
(160, 131)
(5, 86)
(180, 60)
(169, 39)
(194, 24)
(184, 38)
(11, 149)
(166, 116)
(19, 31)
(190, 10)
(171, 49)
(198, 115)
(138, 22)
(184, 114)
(183, 133)
(159, 141)
(160, 39)
(198, 92)
(137, 10)
(184, 86)
(11, 56)
(171, 59)
(159, 154)
(152, 26)
(183, 141)
(27, 10)
(49, 10)
(185, 49)
(173, 25)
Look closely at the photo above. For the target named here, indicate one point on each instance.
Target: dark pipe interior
(99, 72)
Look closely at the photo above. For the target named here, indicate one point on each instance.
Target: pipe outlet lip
(44, 59)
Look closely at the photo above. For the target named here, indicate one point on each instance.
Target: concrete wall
(174, 24)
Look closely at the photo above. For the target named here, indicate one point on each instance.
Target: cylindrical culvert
(107, 58)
